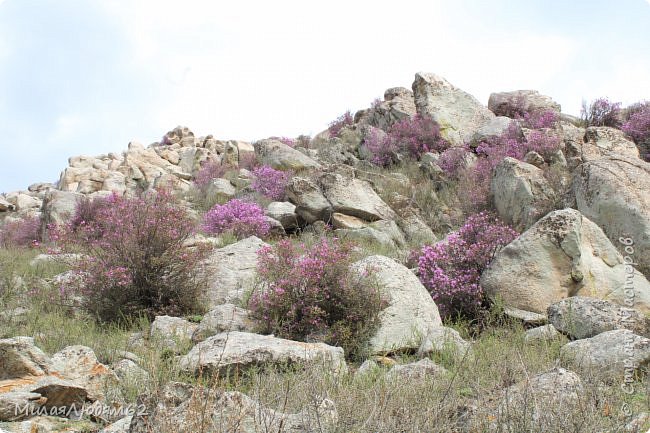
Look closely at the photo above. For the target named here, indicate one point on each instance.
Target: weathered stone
(19, 405)
(494, 128)
(398, 104)
(613, 193)
(171, 333)
(354, 197)
(527, 317)
(459, 114)
(310, 202)
(618, 353)
(233, 351)
(541, 334)
(410, 314)
(223, 318)
(221, 190)
(20, 357)
(562, 255)
(520, 193)
(284, 212)
(444, 340)
(583, 317)
(59, 206)
(341, 221)
(176, 408)
(416, 370)
(282, 157)
(542, 396)
(79, 365)
(232, 271)
(512, 103)
(602, 141)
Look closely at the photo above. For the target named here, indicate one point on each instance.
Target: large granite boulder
(410, 314)
(458, 113)
(282, 157)
(232, 270)
(513, 103)
(520, 193)
(564, 254)
(583, 317)
(614, 193)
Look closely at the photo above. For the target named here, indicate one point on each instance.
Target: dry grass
(464, 400)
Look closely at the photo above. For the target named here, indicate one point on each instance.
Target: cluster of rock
(582, 268)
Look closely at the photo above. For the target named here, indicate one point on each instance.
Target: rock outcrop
(564, 254)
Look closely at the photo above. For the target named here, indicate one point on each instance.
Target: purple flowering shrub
(270, 182)
(637, 126)
(291, 142)
(134, 260)
(601, 112)
(339, 123)
(540, 119)
(241, 218)
(209, 170)
(474, 181)
(413, 136)
(23, 232)
(309, 293)
(451, 269)
(382, 150)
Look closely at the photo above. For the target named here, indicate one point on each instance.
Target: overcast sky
(88, 76)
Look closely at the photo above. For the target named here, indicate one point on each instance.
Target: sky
(86, 77)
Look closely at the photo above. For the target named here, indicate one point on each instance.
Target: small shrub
(418, 135)
(209, 170)
(544, 142)
(306, 292)
(540, 119)
(134, 259)
(291, 142)
(601, 112)
(453, 160)
(23, 232)
(237, 217)
(382, 150)
(339, 123)
(637, 126)
(451, 270)
(269, 182)
(413, 136)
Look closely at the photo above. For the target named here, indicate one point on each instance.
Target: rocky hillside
(426, 264)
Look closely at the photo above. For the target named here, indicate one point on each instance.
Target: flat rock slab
(617, 352)
(229, 351)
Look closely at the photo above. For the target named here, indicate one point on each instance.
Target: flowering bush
(414, 136)
(209, 170)
(417, 135)
(134, 260)
(341, 122)
(238, 217)
(382, 150)
(270, 182)
(291, 142)
(602, 112)
(637, 126)
(308, 291)
(451, 270)
(539, 119)
(544, 142)
(23, 232)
